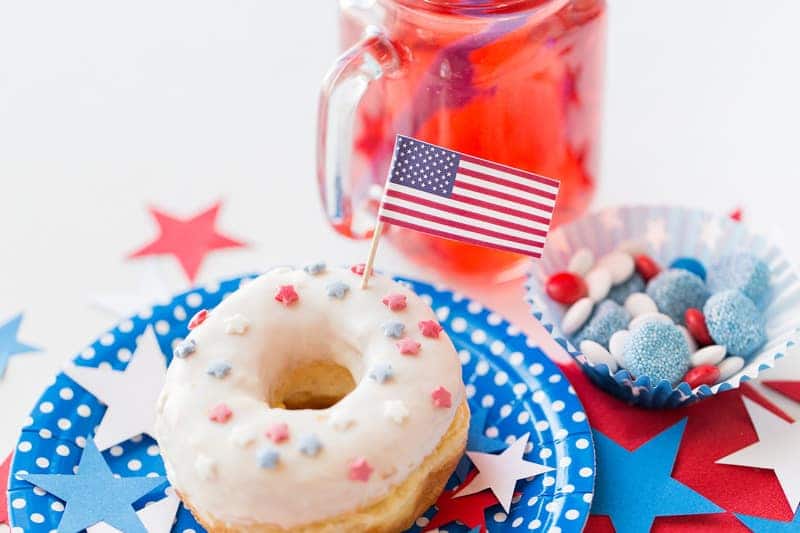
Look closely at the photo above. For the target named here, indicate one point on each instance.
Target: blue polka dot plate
(509, 380)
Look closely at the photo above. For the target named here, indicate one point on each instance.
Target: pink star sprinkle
(359, 269)
(287, 295)
(430, 328)
(278, 433)
(408, 346)
(220, 414)
(198, 318)
(441, 397)
(360, 470)
(395, 302)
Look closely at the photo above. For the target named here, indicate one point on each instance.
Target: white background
(108, 106)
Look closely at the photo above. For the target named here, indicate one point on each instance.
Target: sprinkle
(314, 269)
(286, 295)
(341, 421)
(278, 433)
(205, 467)
(236, 325)
(219, 368)
(268, 457)
(359, 269)
(242, 436)
(310, 445)
(393, 329)
(408, 346)
(395, 302)
(395, 410)
(360, 470)
(220, 414)
(381, 372)
(441, 397)
(198, 318)
(337, 289)
(430, 328)
(184, 349)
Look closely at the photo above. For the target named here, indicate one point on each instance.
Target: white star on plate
(776, 449)
(500, 473)
(131, 395)
(656, 232)
(151, 289)
(236, 325)
(711, 233)
(395, 410)
(157, 517)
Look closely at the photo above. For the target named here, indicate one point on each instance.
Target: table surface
(106, 108)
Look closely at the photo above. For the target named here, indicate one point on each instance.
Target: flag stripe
(516, 195)
(495, 205)
(506, 200)
(509, 170)
(515, 184)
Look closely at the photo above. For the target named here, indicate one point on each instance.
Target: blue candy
(734, 321)
(657, 350)
(608, 317)
(674, 291)
(743, 272)
(690, 264)
(619, 293)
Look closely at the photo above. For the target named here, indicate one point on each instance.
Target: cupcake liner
(665, 233)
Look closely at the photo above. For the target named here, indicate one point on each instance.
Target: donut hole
(314, 385)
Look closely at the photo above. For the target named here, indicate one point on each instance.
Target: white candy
(619, 264)
(709, 355)
(616, 345)
(689, 339)
(599, 283)
(729, 367)
(648, 317)
(596, 354)
(576, 315)
(581, 262)
(639, 304)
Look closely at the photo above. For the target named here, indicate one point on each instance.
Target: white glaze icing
(214, 465)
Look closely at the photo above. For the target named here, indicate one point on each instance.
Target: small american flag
(458, 196)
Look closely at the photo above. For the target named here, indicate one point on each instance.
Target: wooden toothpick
(373, 249)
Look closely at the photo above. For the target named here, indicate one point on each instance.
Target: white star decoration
(500, 473)
(776, 449)
(151, 289)
(711, 233)
(656, 232)
(131, 395)
(157, 517)
(395, 410)
(236, 325)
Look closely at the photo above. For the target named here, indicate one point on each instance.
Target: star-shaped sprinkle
(395, 410)
(278, 432)
(243, 436)
(395, 302)
(157, 517)
(624, 476)
(236, 325)
(268, 457)
(430, 328)
(220, 414)
(341, 420)
(380, 371)
(314, 269)
(441, 397)
(94, 495)
(359, 470)
(198, 319)
(286, 295)
(9, 345)
(188, 240)
(762, 525)
(205, 467)
(218, 368)
(310, 445)
(477, 441)
(5, 467)
(142, 380)
(776, 449)
(184, 348)
(393, 329)
(337, 289)
(408, 346)
(359, 269)
(500, 473)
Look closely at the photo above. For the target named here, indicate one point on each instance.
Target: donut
(305, 403)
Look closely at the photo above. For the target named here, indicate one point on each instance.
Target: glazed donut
(305, 403)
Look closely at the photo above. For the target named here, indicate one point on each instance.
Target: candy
(599, 283)
(710, 355)
(649, 317)
(742, 271)
(619, 264)
(734, 321)
(617, 343)
(566, 287)
(576, 315)
(646, 267)
(639, 303)
(619, 293)
(702, 375)
(675, 291)
(729, 367)
(596, 354)
(696, 324)
(581, 262)
(659, 351)
(607, 318)
(690, 264)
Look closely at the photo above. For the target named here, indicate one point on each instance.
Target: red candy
(696, 324)
(646, 267)
(702, 375)
(566, 287)
(198, 319)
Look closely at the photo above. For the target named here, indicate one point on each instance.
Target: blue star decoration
(9, 345)
(477, 441)
(762, 525)
(633, 488)
(94, 495)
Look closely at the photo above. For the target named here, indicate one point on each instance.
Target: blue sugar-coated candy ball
(734, 321)
(675, 290)
(742, 272)
(657, 350)
(619, 293)
(608, 318)
(690, 264)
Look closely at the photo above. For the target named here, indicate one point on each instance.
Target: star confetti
(94, 495)
(763, 525)
(477, 441)
(500, 473)
(469, 510)
(142, 380)
(157, 517)
(188, 240)
(5, 466)
(9, 345)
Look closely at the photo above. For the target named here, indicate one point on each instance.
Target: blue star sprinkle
(310, 444)
(337, 289)
(762, 525)
(315, 268)
(381, 372)
(268, 458)
(94, 495)
(219, 369)
(477, 441)
(184, 349)
(633, 488)
(393, 329)
(9, 345)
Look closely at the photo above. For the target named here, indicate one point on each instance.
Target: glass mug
(513, 81)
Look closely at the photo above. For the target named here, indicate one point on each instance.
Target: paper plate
(504, 372)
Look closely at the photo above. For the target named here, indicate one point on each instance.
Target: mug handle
(373, 57)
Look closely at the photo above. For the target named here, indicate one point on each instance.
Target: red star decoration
(189, 240)
(441, 397)
(5, 467)
(359, 269)
(790, 389)
(430, 328)
(469, 510)
(220, 414)
(278, 433)
(736, 214)
(360, 470)
(395, 302)
(198, 318)
(286, 295)
(408, 346)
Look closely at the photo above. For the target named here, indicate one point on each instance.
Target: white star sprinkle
(341, 420)
(236, 325)
(395, 410)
